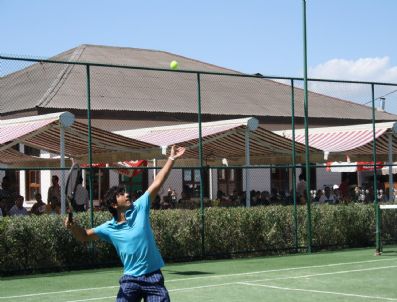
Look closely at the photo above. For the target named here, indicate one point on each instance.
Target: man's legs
(153, 288)
(129, 290)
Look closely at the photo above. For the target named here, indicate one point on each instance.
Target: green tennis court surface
(354, 275)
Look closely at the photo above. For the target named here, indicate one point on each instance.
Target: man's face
(123, 200)
(54, 181)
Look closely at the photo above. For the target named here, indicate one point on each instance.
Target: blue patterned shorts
(149, 287)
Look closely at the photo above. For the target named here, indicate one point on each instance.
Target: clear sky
(347, 39)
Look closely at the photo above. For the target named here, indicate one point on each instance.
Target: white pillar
(62, 149)
(22, 176)
(210, 184)
(246, 170)
(45, 177)
(390, 153)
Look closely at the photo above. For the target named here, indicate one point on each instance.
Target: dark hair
(55, 177)
(111, 198)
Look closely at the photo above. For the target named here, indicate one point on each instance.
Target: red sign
(368, 165)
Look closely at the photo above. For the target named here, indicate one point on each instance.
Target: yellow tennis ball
(174, 65)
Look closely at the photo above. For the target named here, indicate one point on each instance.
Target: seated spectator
(275, 196)
(39, 207)
(166, 202)
(220, 195)
(235, 197)
(318, 195)
(18, 209)
(253, 197)
(258, 198)
(53, 207)
(265, 197)
(336, 192)
(1, 213)
(328, 196)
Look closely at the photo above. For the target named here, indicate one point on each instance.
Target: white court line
(320, 291)
(93, 299)
(203, 277)
(325, 274)
(60, 292)
(278, 270)
(252, 284)
(285, 278)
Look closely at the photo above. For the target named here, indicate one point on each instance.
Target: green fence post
(294, 164)
(89, 144)
(307, 150)
(201, 167)
(375, 181)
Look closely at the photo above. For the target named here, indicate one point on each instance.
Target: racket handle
(70, 218)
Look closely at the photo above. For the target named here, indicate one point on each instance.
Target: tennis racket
(72, 181)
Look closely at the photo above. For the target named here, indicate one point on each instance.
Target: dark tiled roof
(63, 87)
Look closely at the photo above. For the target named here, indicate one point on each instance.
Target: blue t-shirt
(133, 239)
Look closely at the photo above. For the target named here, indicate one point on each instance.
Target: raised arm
(161, 177)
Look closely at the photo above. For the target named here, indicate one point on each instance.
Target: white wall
(45, 178)
(325, 178)
(113, 178)
(174, 181)
(258, 179)
(213, 189)
(22, 176)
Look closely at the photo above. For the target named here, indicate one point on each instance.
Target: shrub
(41, 243)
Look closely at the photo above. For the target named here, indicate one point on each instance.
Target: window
(33, 181)
(229, 180)
(100, 182)
(280, 180)
(191, 182)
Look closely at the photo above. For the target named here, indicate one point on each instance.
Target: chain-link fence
(251, 141)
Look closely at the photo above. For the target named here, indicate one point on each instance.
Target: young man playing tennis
(131, 234)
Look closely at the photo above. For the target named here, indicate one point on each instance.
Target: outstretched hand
(177, 151)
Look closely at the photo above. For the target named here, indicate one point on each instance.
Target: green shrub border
(41, 243)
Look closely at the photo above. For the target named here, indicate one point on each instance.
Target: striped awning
(43, 132)
(221, 139)
(355, 139)
(12, 156)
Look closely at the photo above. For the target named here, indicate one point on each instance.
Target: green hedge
(41, 243)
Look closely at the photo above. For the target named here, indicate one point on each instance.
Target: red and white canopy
(123, 167)
(355, 139)
(220, 139)
(43, 132)
(339, 166)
